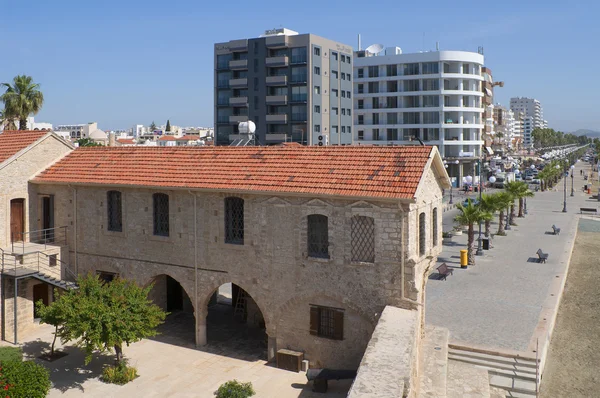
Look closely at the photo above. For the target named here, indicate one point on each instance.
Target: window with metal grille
(161, 214)
(234, 220)
(318, 236)
(422, 234)
(362, 233)
(434, 222)
(114, 211)
(327, 322)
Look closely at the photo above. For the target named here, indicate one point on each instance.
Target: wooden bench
(556, 231)
(542, 257)
(320, 377)
(444, 271)
(588, 210)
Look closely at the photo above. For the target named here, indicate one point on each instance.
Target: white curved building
(433, 96)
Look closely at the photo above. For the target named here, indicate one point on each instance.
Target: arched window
(114, 211)
(422, 234)
(234, 220)
(362, 234)
(161, 214)
(318, 236)
(434, 222)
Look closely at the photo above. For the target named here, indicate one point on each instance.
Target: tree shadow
(69, 372)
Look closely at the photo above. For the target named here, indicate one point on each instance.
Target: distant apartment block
(533, 116)
(433, 96)
(294, 87)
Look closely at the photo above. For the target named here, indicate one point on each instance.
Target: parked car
(536, 181)
(475, 202)
(499, 183)
(518, 177)
(529, 177)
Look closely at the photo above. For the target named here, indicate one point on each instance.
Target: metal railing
(40, 262)
(50, 236)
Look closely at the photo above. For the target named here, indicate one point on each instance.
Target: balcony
(275, 137)
(280, 119)
(299, 59)
(276, 100)
(299, 79)
(299, 97)
(238, 64)
(299, 117)
(276, 80)
(238, 101)
(277, 61)
(238, 45)
(238, 118)
(280, 41)
(238, 83)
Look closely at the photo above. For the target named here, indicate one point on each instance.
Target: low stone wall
(389, 366)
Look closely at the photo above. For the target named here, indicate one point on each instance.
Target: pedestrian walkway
(508, 300)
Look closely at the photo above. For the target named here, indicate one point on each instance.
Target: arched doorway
(180, 325)
(235, 325)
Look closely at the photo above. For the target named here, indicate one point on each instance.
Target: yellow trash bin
(464, 258)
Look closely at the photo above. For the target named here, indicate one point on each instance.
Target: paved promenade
(508, 300)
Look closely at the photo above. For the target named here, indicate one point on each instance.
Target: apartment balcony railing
(280, 41)
(238, 101)
(276, 80)
(242, 82)
(281, 119)
(299, 59)
(277, 61)
(238, 118)
(299, 97)
(299, 79)
(238, 64)
(276, 100)
(299, 117)
(238, 45)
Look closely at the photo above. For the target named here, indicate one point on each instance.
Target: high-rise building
(294, 87)
(533, 116)
(433, 96)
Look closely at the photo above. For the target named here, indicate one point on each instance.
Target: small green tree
(87, 142)
(235, 389)
(504, 200)
(55, 314)
(168, 128)
(152, 126)
(105, 316)
(470, 215)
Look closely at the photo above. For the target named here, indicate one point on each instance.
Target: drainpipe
(75, 228)
(403, 249)
(196, 268)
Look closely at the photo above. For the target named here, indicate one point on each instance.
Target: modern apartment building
(433, 96)
(294, 87)
(533, 116)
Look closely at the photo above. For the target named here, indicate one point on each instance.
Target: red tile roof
(356, 171)
(188, 138)
(11, 142)
(125, 141)
(167, 138)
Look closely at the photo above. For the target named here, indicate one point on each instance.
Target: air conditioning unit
(323, 140)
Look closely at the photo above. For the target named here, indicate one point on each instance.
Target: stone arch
(208, 290)
(153, 279)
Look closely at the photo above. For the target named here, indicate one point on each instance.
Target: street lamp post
(572, 177)
(479, 251)
(450, 202)
(564, 210)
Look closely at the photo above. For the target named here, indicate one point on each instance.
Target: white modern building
(433, 96)
(87, 130)
(533, 116)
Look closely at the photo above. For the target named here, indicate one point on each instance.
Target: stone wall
(14, 179)
(272, 265)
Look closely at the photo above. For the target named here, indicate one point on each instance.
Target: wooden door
(48, 218)
(17, 219)
(40, 292)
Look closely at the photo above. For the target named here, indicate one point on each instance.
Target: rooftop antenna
(374, 49)
(359, 46)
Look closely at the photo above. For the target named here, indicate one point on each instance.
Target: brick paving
(500, 302)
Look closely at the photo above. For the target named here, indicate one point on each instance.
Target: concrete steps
(516, 375)
(434, 362)
(467, 381)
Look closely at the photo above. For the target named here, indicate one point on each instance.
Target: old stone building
(27, 243)
(316, 241)
(320, 240)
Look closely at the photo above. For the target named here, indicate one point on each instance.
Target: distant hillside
(589, 133)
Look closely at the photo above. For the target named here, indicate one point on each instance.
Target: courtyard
(171, 369)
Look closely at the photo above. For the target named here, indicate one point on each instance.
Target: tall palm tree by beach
(22, 98)
(470, 215)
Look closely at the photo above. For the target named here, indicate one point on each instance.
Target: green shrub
(25, 379)
(119, 374)
(235, 389)
(11, 354)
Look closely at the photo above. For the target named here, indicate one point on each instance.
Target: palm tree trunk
(471, 245)
(512, 215)
(487, 228)
(501, 224)
(521, 208)
(22, 124)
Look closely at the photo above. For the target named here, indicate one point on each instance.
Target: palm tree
(504, 199)
(521, 193)
(22, 99)
(516, 189)
(7, 121)
(470, 215)
(489, 204)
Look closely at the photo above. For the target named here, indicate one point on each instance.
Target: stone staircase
(450, 371)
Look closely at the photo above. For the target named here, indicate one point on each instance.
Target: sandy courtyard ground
(573, 364)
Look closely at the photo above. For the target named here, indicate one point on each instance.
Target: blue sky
(129, 61)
